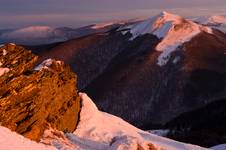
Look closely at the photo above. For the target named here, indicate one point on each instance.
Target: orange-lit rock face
(31, 101)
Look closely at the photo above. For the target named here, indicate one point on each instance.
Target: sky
(75, 13)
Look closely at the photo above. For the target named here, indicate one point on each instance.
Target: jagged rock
(32, 100)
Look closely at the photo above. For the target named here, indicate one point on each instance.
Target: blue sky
(74, 13)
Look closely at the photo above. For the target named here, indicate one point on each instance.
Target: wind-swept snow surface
(172, 29)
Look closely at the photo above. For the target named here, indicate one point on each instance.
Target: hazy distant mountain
(39, 35)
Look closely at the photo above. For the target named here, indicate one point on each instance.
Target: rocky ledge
(33, 99)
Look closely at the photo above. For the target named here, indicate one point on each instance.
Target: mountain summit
(174, 30)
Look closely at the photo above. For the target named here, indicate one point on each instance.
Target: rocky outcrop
(31, 100)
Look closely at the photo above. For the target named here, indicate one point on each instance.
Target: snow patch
(176, 59)
(3, 71)
(212, 20)
(101, 25)
(4, 52)
(215, 22)
(58, 140)
(161, 132)
(44, 65)
(218, 19)
(12, 44)
(12, 141)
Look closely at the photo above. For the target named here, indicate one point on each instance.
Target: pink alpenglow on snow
(172, 29)
(111, 132)
(12, 141)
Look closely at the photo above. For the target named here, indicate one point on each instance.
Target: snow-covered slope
(114, 133)
(96, 131)
(217, 19)
(101, 25)
(12, 141)
(217, 22)
(172, 29)
(219, 147)
(211, 20)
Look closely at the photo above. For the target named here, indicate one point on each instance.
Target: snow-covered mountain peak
(174, 30)
(158, 25)
(162, 24)
(169, 16)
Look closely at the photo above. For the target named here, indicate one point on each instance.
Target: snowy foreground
(96, 131)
